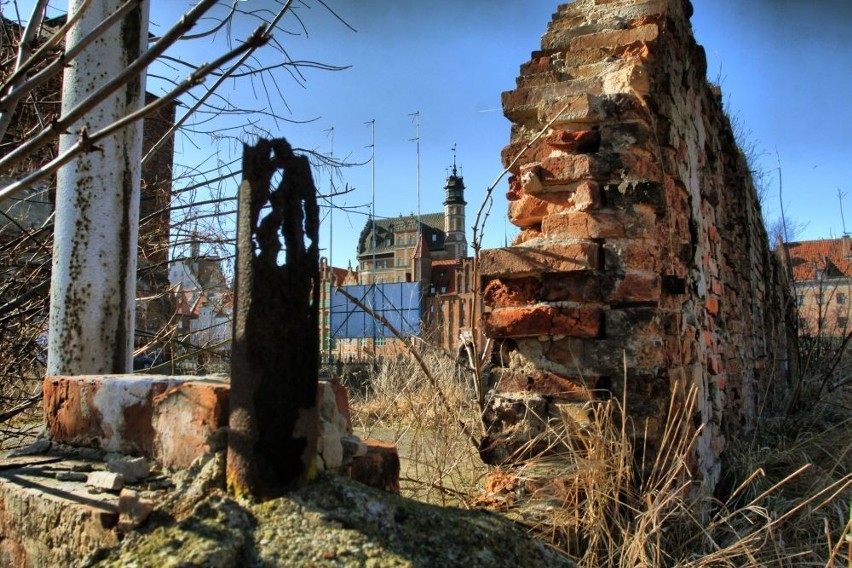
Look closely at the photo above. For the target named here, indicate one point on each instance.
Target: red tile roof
(339, 275)
(829, 257)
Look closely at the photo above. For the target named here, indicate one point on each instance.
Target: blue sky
(784, 66)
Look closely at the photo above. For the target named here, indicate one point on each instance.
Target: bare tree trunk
(273, 421)
(97, 205)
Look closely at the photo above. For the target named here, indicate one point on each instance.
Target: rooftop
(810, 260)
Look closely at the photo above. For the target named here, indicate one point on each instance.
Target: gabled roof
(420, 251)
(339, 275)
(432, 224)
(829, 258)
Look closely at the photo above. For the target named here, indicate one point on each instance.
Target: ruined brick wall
(642, 250)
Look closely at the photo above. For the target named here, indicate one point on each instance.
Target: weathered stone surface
(45, 522)
(334, 522)
(133, 510)
(131, 469)
(193, 523)
(105, 481)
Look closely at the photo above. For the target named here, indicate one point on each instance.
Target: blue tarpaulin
(399, 303)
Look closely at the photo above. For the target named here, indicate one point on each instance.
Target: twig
(431, 378)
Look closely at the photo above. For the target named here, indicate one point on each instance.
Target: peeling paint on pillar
(97, 206)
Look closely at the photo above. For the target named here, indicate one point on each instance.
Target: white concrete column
(97, 206)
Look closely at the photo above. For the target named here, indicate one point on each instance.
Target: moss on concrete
(333, 522)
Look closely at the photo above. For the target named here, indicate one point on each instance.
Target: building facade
(430, 249)
(821, 272)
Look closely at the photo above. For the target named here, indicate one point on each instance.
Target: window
(841, 298)
(434, 237)
(444, 289)
(842, 323)
(800, 300)
(380, 341)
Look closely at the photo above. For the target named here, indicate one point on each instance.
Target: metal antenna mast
(330, 266)
(331, 199)
(416, 140)
(372, 124)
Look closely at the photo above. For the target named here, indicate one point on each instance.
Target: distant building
(204, 308)
(401, 249)
(822, 283)
(430, 249)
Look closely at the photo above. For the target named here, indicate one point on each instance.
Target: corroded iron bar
(273, 418)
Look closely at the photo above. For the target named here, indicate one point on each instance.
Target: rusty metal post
(275, 355)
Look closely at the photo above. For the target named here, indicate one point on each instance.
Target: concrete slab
(47, 522)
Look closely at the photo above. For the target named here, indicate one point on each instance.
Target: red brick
(577, 322)
(545, 383)
(616, 38)
(519, 322)
(631, 255)
(712, 305)
(379, 468)
(716, 286)
(341, 396)
(636, 49)
(582, 287)
(637, 287)
(573, 141)
(515, 191)
(543, 320)
(501, 293)
(536, 65)
(528, 234)
(536, 152)
(640, 165)
(599, 224)
(529, 210)
(165, 418)
(525, 260)
(587, 195)
(714, 363)
(574, 110)
(568, 168)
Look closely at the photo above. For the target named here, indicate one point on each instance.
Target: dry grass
(784, 499)
(440, 464)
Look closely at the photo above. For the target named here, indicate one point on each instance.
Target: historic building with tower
(430, 249)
